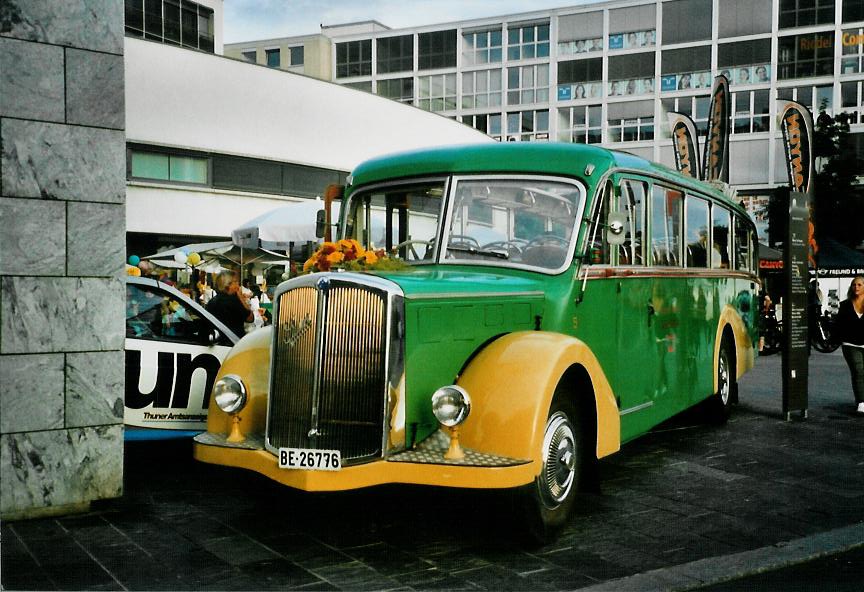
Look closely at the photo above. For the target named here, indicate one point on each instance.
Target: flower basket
(349, 255)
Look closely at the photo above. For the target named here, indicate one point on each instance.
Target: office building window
(743, 17)
(250, 55)
(481, 89)
(696, 108)
(815, 98)
(527, 42)
(686, 20)
(685, 69)
(488, 123)
(631, 74)
(296, 55)
(852, 61)
(437, 93)
(580, 33)
(178, 22)
(354, 58)
(364, 85)
(482, 47)
(436, 50)
(273, 57)
(745, 62)
(803, 13)
(852, 100)
(799, 56)
(632, 129)
(853, 10)
(395, 54)
(398, 89)
(156, 166)
(580, 79)
(582, 124)
(750, 109)
(528, 84)
(633, 39)
(528, 126)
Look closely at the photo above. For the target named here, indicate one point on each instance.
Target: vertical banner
(685, 143)
(715, 162)
(797, 125)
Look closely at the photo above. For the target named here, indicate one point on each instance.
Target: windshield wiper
(476, 251)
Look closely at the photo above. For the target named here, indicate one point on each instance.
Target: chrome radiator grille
(328, 380)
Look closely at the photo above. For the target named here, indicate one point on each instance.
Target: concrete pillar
(62, 251)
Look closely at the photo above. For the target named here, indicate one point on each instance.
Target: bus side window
(696, 229)
(721, 225)
(632, 202)
(598, 247)
(743, 248)
(666, 207)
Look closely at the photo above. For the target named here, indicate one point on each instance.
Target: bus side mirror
(615, 228)
(320, 223)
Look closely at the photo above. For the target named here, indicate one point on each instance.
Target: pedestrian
(229, 304)
(849, 332)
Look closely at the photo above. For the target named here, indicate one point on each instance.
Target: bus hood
(461, 282)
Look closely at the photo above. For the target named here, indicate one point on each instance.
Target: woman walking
(850, 334)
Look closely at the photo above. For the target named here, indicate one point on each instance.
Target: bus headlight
(451, 405)
(230, 393)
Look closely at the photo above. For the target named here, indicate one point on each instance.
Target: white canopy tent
(282, 228)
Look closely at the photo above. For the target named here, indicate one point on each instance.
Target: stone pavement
(685, 506)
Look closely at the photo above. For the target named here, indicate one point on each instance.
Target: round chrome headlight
(451, 405)
(230, 393)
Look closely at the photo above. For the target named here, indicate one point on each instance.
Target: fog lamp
(451, 406)
(230, 393)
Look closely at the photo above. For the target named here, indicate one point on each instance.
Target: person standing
(229, 304)
(849, 332)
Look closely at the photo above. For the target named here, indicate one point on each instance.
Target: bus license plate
(309, 460)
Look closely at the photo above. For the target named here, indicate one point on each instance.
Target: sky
(249, 20)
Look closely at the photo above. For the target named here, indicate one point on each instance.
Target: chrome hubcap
(559, 460)
(723, 378)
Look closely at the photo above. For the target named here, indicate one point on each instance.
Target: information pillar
(795, 347)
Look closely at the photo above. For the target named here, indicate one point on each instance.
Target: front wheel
(547, 501)
(720, 403)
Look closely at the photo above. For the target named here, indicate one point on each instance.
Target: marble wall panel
(54, 161)
(94, 89)
(61, 314)
(94, 388)
(87, 24)
(60, 467)
(32, 394)
(31, 80)
(96, 239)
(33, 237)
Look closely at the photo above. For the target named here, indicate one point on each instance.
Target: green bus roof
(539, 158)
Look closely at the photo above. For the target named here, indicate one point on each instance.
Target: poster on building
(685, 144)
(715, 161)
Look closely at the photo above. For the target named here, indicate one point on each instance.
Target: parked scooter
(820, 333)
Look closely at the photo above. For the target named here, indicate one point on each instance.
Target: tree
(837, 203)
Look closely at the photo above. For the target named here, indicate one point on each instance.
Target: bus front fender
(511, 383)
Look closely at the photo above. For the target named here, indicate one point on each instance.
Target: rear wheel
(547, 501)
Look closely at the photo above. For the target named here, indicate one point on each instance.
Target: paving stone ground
(688, 495)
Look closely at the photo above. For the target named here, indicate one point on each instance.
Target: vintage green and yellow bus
(534, 307)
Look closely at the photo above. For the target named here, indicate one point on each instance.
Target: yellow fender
(250, 360)
(511, 384)
(745, 353)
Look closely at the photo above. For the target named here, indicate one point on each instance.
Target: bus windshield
(511, 221)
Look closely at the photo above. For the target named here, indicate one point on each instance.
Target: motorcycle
(820, 334)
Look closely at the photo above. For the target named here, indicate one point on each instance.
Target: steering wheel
(547, 239)
(462, 240)
(513, 247)
(545, 250)
(411, 242)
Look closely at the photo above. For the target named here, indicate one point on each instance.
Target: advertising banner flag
(797, 125)
(715, 162)
(685, 143)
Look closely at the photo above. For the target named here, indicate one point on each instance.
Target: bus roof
(549, 158)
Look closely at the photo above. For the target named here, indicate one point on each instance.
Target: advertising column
(797, 125)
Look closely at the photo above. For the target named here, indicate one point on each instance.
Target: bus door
(637, 372)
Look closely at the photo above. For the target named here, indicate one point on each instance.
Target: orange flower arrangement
(347, 254)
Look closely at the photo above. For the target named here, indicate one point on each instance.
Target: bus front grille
(328, 380)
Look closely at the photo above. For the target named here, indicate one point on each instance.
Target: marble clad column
(62, 251)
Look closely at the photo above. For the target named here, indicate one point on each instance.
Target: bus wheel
(547, 501)
(720, 403)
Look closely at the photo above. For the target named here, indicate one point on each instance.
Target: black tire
(720, 403)
(547, 502)
(821, 338)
